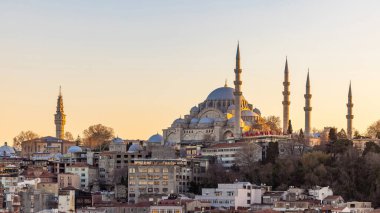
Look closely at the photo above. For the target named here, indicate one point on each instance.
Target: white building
(87, 174)
(320, 193)
(235, 195)
(226, 153)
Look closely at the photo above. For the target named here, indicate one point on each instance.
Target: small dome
(134, 148)
(257, 111)
(231, 121)
(247, 113)
(74, 149)
(194, 110)
(157, 138)
(206, 121)
(7, 151)
(58, 156)
(117, 140)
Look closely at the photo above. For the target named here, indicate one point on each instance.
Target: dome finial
(225, 83)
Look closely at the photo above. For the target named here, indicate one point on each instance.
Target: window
(142, 182)
(132, 182)
(156, 182)
(165, 177)
(165, 170)
(132, 170)
(157, 170)
(150, 170)
(142, 169)
(164, 182)
(165, 190)
(150, 189)
(82, 181)
(248, 201)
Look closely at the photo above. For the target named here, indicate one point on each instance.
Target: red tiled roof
(227, 145)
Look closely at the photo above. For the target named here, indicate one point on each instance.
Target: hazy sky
(137, 65)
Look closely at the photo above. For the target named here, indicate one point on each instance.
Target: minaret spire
(238, 95)
(307, 107)
(60, 117)
(349, 115)
(286, 101)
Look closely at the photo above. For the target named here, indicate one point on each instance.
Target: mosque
(225, 114)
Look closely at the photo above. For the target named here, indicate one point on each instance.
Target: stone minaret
(238, 95)
(286, 102)
(60, 118)
(349, 115)
(307, 107)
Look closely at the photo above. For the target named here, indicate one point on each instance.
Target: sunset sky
(138, 65)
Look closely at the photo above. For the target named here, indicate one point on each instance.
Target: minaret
(238, 94)
(60, 118)
(286, 102)
(307, 107)
(349, 115)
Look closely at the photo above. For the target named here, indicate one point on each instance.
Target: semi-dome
(257, 111)
(134, 148)
(117, 140)
(221, 93)
(206, 121)
(194, 121)
(247, 113)
(74, 149)
(157, 138)
(6, 151)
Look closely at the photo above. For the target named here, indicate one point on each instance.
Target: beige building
(66, 200)
(68, 179)
(47, 145)
(156, 176)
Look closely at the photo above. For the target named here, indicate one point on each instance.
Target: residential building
(86, 173)
(156, 176)
(232, 196)
(320, 193)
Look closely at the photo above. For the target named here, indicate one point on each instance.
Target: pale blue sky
(138, 65)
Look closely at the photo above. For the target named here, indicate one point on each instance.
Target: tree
(274, 123)
(301, 136)
(374, 130)
(97, 136)
(23, 136)
(371, 147)
(248, 155)
(342, 134)
(332, 135)
(68, 136)
(290, 128)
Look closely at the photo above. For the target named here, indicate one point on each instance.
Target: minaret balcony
(350, 116)
(307, 96)
(237, 70)
(286, 103)
(285, 83)
(308, 109)
(286, 93)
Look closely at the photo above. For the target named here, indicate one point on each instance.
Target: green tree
(290, 128)
(332, 135)
(371, 147)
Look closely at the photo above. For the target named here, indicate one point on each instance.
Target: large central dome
(221, 93)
